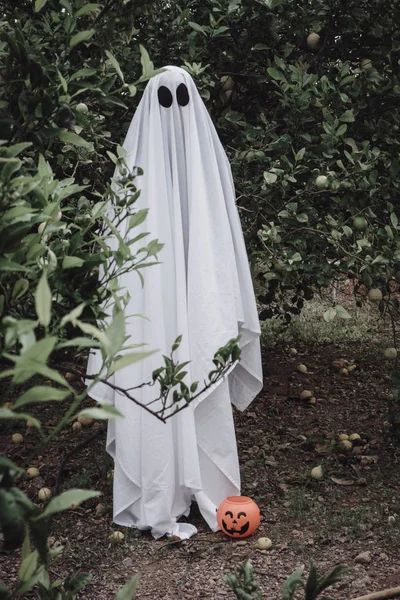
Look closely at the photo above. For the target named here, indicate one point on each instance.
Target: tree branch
(383, 595)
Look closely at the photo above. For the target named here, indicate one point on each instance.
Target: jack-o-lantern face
(238, 516)
(235, 526)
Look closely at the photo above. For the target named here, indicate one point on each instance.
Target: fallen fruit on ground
(301, 368)
(85, 421)
(76, 426)
(375, 295)
(32, 472)
(316, 472)
(354, 436)
(312, 400)
(263, 543)
(305, 394)
(71, 376)
(390, 353)
(44, 494)
(292, 351)
(17, 438)
(346, 445)
(342, 437)
(344, 372)
(116, 536)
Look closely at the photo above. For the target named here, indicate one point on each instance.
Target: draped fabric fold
(203, 291)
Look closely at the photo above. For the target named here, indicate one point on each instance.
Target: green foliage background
(71, 73)
(286, 114)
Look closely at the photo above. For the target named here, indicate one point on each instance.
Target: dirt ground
(354, 508)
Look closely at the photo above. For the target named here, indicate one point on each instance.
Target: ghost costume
(203, 291)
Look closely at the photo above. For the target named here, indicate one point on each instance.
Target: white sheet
(202, 290)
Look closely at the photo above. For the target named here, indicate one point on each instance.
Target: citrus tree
(60, 255)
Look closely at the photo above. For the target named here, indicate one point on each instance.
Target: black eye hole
(241, 514)
(229, 514)
(164, 96)
(182, 94)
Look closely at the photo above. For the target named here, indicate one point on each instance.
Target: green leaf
(394, 220)
(329, 315)
(197, 27)
(341, 130)
(39, 4)
(331, 578)
(132, 90)
(20, 288)
(7, 464)
(67, 499)
(138, 218)
(79, 582)
(26, 546)
(347, 117)
(106, 412)
(300, 154)
(79, 342)
(71, 262)
(276, 74)
(43, 301)
(129, 590)
(40, 393)
(6, 413)
(311, 584)
(8, 265)
(91, 7)
(115, 333)
(342, 312)
(72, 138)
(82, 36)
(147, 65)
(127, 359)
(28, 566)
(72, 316)
(291, 583)
(65, 88)
(116, 66)
(270, 178)
(95, 332)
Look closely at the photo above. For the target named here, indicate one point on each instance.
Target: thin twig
(73, 451)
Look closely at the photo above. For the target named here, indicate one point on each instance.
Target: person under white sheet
(203, 291)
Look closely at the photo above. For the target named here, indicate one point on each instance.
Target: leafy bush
(291, 110)
(244, 587)
(59, 258)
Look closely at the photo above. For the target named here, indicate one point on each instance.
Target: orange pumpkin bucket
(238, 516)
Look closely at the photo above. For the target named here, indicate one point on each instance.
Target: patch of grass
(301, 505)
(352, 522)
(334, 518)
(310, 326)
